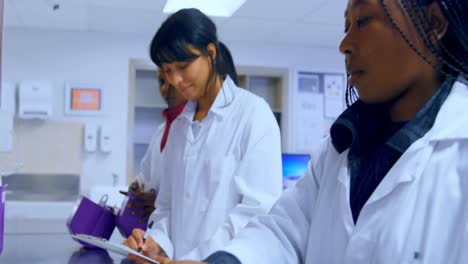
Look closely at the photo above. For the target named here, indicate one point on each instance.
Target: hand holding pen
(146, 235)
(140, 241)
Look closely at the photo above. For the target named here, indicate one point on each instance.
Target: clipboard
(112, 246)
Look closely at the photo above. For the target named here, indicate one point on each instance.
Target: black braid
(403, 35)
(428, 40)
(351, 95)
(439, 54)
(451, 12)
(413, 47)
(420, 26)
(444, 55)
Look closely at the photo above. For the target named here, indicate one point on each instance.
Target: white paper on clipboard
(112, 246)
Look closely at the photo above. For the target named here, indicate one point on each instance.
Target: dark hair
(452, 54)
(190, 28)
(452, 50)
(227, 65)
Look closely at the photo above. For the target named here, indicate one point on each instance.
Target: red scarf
(170, 115)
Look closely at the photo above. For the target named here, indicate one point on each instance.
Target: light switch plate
(6, 131)
(90, 138)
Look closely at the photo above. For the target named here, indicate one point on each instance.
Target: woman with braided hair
(390, 183)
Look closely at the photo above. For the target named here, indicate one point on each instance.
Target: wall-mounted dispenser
(35, 100)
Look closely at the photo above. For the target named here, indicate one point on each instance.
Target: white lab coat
(151, 164)
(217, 180)
(418, 213)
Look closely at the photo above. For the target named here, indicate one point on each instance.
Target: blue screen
(294, 165)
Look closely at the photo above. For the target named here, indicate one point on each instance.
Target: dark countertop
(53, 249)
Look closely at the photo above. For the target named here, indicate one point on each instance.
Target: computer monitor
(294, 166)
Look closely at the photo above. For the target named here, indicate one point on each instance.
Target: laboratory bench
(53, 249)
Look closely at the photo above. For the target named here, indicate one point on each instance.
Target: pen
(146, 235)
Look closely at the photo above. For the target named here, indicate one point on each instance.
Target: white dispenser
(35, 100)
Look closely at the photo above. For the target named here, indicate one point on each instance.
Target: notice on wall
(319, 100)
(309, 105)
(334, 91)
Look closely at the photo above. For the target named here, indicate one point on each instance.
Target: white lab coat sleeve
(145, 175)
(281, 236)
(162, 217)
(460, 242)
(258, 180)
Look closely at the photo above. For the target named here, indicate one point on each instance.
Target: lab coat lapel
(344, 180)
(413, 162)
(409, 167)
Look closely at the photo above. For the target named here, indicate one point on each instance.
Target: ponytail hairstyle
(227, 63)
(186, 29)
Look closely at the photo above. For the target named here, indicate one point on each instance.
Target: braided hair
(451, 51)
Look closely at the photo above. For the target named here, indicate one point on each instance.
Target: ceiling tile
(155, 5)
(313, 35)
(12, 18)
(330, 13)
(295, 22)
(251, 29)
(124, 20)
(279, 10)
(71, 15)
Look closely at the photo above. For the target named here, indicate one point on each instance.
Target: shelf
(146, 122)
(155, 106)
(243, 81)
(147, 89)
(269, 88)
(140, 143)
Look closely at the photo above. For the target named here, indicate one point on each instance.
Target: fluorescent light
(219, 8)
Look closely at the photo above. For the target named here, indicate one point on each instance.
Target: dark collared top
(375, 143)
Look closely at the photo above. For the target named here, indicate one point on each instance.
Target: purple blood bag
(92, 219)
(128, 218)
(2, 215)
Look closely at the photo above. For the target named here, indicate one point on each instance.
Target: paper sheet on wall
(309, 128)
(334, 95)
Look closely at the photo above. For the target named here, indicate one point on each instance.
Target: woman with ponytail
(223, 153)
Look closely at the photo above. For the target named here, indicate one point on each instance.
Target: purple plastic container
(128, 219)
(92, 219)
(2, 215)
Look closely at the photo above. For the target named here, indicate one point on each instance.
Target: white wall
(99, 58)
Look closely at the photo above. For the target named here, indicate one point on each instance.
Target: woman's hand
(150, 248)
(142, 202)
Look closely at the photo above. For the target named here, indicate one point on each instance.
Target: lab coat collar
(447, 126)
(452, 120)
(224, 98)
(220, 107)
(357, 123)
(189, 111)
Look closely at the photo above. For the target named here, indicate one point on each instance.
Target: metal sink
(33, 187)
